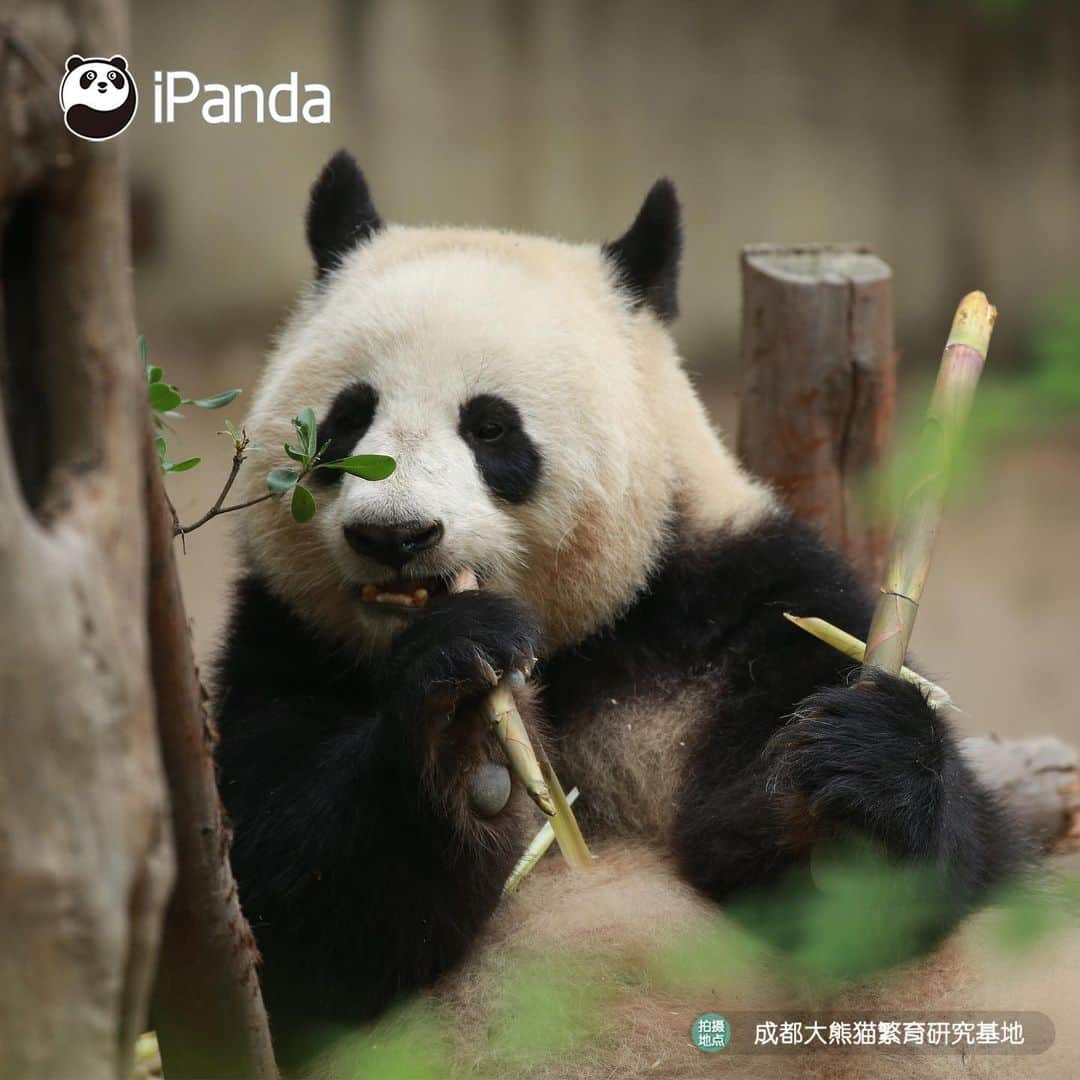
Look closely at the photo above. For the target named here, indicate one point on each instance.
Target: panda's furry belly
(628, 757)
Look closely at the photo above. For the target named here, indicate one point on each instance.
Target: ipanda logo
(284, 103)
(99, 99)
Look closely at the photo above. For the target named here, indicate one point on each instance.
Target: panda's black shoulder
(715, 602)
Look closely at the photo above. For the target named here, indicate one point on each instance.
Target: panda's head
(98, 96)
(545, 434)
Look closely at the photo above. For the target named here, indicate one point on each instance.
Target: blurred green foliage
(856, 916)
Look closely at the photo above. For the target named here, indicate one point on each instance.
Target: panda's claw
(455, 651)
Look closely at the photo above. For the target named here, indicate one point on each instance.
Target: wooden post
(819, 364)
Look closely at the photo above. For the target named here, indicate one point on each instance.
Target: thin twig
(219, 508)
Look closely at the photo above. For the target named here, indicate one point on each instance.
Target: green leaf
(181, 466)
(296, 455)
(303, 504)
(153, 374)
(366, 466)
(281, 480)
(307, 430)
(163, 398)
(217, 401)
(159, 442)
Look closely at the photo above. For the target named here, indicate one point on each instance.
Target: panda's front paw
(871, 756)
(454, 653)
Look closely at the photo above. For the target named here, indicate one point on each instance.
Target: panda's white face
(97, 84)
(543, 430)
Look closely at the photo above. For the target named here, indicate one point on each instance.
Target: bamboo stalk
(920, 512)
(855, 649)
(536, 850)
(506, 722)
(567, 831)
(534, 773)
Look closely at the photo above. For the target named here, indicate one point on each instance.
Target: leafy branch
(165, 401)
(308, 454)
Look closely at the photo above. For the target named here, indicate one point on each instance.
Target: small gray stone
(489, 788)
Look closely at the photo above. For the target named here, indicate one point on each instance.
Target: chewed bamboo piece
(536, 776)
(567, 832)
(855, 649)
(505, 721)
(536, 850)
(920, 512)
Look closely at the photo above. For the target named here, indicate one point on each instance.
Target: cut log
(819, 368)
(1037, 779)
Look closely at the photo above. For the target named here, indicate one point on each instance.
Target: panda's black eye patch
(509, 460)
(346, 421)
(87, 78)
(116, 79)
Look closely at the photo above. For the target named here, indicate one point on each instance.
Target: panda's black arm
(760, 790)
(356, 883)
(360, 882)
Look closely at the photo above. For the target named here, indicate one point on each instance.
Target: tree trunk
(85, 853)
(819, 364)
(208, 1007)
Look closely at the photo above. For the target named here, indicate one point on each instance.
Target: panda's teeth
(402, 599)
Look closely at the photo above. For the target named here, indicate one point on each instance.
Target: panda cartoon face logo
(98, 97)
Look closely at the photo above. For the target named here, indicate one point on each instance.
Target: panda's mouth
(401, 595)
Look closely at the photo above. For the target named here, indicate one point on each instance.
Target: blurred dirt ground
(999, 625)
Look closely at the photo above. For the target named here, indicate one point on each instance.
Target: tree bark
(819, 364)
(85, 848)
(208, 1007)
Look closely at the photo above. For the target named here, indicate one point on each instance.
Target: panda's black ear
(74, 61)
(646, 256)
(118, 61)
(341, 214)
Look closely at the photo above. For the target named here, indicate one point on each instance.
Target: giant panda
(547, 438)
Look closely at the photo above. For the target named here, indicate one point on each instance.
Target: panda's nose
(101, 86)
(394, 545)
